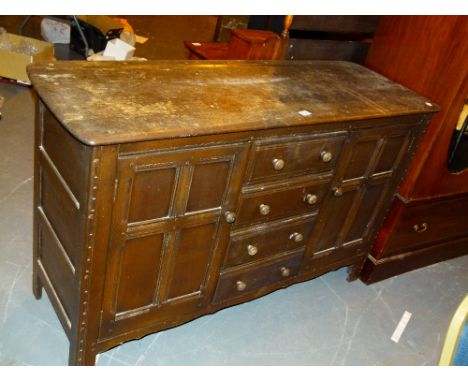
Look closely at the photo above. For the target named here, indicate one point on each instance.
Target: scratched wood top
(117, 102)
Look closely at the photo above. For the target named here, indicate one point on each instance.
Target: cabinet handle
(278, 164)
(285, 271)
(252, 250)
(326, 156)
(230, 217)
(264, 209)
(337, 191)
(297, 237)
(420, 228)
(240, 285)
(311, 199)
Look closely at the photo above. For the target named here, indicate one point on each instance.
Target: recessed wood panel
(57, 269)
(139, 272)
(368, 208)
(62, 213)
(208, 187)
(152, 192)
(391, 151)
(190, 260)
(339, 208)
(67, 154)
(360, 159)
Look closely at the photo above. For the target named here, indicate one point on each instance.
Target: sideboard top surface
(118, 102)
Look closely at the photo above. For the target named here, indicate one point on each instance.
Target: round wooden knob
(264, 209)
(230, 217)
(297, 237)
(285, 271)
(311, 199)
(337, 191)
(326, 156)
(240, 285)
(252, 250)
(278, 164)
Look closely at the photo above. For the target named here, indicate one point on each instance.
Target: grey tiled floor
(326, 321)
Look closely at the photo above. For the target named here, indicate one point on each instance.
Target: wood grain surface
(108, 103)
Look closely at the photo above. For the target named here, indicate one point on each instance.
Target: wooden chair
(455, 350)
(244, 44)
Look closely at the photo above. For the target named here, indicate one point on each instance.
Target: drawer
(294, 157)
(429, 223)
(266, 240)
(274, 201)
(241, 280)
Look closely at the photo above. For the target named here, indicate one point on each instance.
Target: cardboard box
(13, 65)
(118, 49)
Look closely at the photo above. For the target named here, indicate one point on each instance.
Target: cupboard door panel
(358, 164)
(338, 211)
(368, 170)
(370, 205)
(139, 271)
(391, 153)
(169, 231)
(208, 186)
(190, 260)
(152, 193)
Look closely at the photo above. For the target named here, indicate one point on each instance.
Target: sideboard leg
(36, 283)
(85, 358)
(354, 270)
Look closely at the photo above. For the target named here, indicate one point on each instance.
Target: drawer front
(273, 202)
(429, 223)
(293, 157)
(250, 278)
(268, 239)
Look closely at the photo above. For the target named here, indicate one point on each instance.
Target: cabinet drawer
(249, 278)
(276, 201)
(293, 157)
(429, 223)
(268, 239)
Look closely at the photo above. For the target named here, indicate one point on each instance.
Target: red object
(244, 44)
(428, 54)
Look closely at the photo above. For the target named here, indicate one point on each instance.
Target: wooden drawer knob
(420, 228)
(240, 285)
(326, 156)
(230, 217)
(252, 250)
(278, 164)
(297, 237)
(311, 199)
(264, 209)
(285, 271)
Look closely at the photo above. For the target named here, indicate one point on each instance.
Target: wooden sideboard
(168, 190)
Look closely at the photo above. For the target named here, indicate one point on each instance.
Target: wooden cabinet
(426, 220)
(153, 207)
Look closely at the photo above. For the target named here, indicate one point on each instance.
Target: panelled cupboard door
(362, 184)
(169, 232)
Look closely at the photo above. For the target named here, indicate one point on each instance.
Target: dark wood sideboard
(168, 190)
